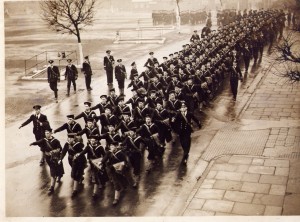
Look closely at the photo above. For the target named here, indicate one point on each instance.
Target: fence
(39, 62)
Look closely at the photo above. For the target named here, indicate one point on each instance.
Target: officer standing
(120, 75)
(182, 122)
(108, 64)
(71, 75)
(53, 77)
(87, 71)
(40, 123)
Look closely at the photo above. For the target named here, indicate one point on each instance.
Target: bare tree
(285, 60)
(69, 16)
(286, 49)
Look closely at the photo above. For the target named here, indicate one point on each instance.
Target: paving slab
(256, 188)
(238, 196)
(224, 167)
(270, 179)
(261, 170)
(210, 194)
(196, 204)
(271, 200)
(211, 174)
(258, 161)
(282, 171)
(278, 189)
(227, 185)
(208, 183)
(248, 209)
(218, 206)
(222, 175)
(191, 212)
(223, 159)
(242, 168)
(270, 152)
(276, 163)
(273, 211)
(240, 160)
(250, 177)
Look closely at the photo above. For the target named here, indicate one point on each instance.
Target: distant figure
(121, 75)
(195, 36)
(235, 75)
(53, 77)
(87, 71)
(71, 75)
(108, 64)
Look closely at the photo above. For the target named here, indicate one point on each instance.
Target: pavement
(254, 166)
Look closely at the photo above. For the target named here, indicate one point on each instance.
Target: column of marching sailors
(161, 107)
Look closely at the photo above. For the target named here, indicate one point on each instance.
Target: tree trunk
(79, 48)
(80, 54)
(178, 19)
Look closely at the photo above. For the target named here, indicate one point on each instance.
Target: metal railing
(39, 62)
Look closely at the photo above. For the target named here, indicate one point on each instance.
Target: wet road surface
(27, 182)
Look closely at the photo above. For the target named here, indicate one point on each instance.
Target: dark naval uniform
(184, 130)
(121, 75)
(87, 71)
(51, 148)
(40, 123)
(71, 76)
(53, 78)
(108, 63)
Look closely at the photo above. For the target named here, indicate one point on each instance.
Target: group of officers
(164, 17)
(164, 98)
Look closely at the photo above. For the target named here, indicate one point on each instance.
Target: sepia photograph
(182, 109)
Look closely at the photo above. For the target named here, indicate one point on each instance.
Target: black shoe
(50, 190)
(184, 159)
(94, 196)
(115, 202)
(74, 193)
(81, 180)
(135, 184)
(68, 94)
